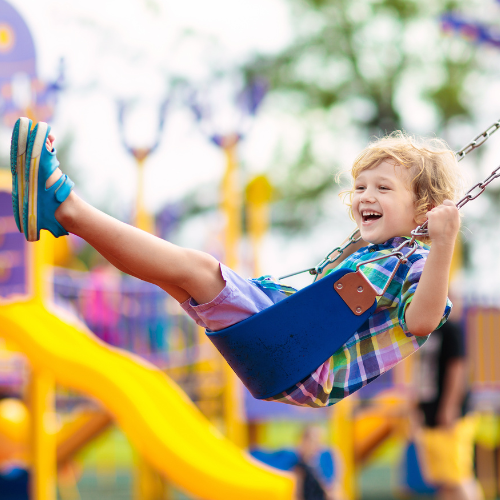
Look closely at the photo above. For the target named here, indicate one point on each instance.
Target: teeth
(366, 213)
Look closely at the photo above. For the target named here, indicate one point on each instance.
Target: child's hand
(443, 223)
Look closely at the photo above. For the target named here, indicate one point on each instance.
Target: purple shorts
(238, 300)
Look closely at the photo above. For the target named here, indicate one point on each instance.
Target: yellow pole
(148, 483)
(41, 388)
(41, 261)
(231, 203)
(342, 435)
(457, 260)
(143, 219)
(258, 195)
(231, 207)
(43, 436)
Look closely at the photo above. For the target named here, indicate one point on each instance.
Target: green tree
(358, 69)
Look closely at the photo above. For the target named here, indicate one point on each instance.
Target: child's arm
(426, 309)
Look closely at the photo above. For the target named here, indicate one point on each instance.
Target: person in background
(445, 443)
(310, 484)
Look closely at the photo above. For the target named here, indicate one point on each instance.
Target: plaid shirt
(381, 342)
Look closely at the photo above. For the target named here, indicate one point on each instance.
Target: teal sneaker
(40, 203)
(18, 147)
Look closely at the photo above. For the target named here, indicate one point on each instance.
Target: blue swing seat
(280, 346)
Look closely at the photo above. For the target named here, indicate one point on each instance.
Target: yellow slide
(159, 419)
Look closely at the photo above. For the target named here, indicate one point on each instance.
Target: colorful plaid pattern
(383, 340)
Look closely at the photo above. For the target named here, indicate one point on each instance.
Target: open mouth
(369, 216)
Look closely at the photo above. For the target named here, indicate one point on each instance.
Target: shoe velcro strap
(64, 188)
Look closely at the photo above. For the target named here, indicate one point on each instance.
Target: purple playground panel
(19, 86)
(13, 253)
(470, 29)
(262, 411)
(128, 313)
(18, 50)
(258, 410)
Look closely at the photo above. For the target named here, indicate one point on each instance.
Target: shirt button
(372, 249)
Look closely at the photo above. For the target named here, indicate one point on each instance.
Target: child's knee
(204, 266)
(204, 279)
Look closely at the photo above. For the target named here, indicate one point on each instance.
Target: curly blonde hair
(431, 164)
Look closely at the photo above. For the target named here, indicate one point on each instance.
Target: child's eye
(384, 187)
(359, 188)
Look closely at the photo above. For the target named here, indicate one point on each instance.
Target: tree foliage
(358, 69)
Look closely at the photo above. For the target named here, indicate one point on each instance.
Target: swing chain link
(420, 230)
(478, 141)
(469, 196)
(481, 186)
(474, 144)
(354, 237)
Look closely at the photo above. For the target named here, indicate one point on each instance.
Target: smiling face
(383, 203)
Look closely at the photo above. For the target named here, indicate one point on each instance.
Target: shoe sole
(18, 146)
(35, 145)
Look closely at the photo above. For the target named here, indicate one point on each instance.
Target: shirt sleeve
(408, 291)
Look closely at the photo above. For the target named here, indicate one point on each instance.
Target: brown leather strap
(356, 291)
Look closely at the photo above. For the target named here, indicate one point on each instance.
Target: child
(398, 183)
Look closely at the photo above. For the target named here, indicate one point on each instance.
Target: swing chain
(354, 237)
(481, 186)
(478, 141)
(470, 195)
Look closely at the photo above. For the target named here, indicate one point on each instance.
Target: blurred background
(230, 127)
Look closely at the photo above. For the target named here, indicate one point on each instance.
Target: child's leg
(181, 272)
(176, 292)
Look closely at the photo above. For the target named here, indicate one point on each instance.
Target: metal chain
(478, 141)
(315, 271)
(420, 230)
(481, 186)
(469, 196)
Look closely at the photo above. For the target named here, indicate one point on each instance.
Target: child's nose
(368, 195)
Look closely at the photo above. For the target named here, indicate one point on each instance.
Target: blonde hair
(431, 164)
